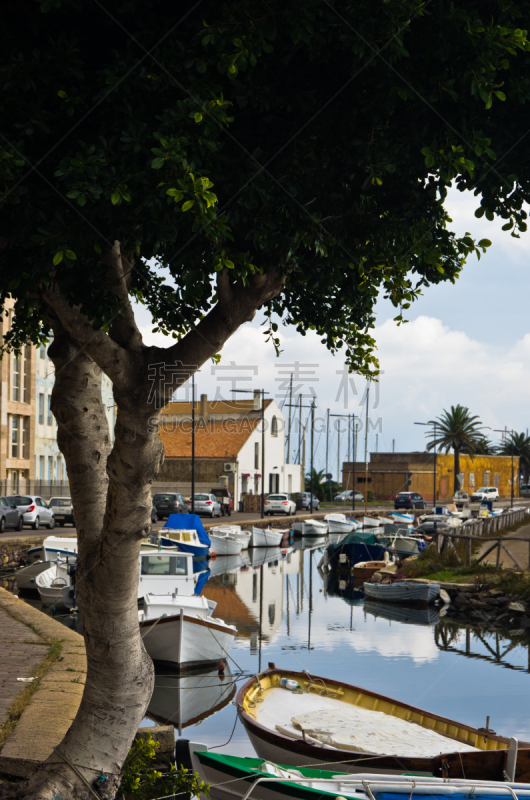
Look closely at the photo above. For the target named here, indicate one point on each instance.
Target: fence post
(498, 561)
(468, 553)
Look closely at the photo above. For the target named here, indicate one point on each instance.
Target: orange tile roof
(214, 439)
(214, 407)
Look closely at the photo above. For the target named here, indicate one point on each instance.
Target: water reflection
(503, 650)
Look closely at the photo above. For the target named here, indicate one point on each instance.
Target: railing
(478, 530)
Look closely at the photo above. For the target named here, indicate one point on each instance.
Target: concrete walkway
(521, 550)
(26, 636)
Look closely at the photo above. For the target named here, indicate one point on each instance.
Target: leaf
(62, 94)
(500, 95)
(201, 67)
(58, 257)
(156, 163)
(429, 160)
(187, 205)
(81, 200)
(197, 117)
(115, 199)
(484, 243)
(97, 247)
(71, 255)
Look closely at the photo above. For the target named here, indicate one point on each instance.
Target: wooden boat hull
(487, 762)
(402, 592)
(364, 570)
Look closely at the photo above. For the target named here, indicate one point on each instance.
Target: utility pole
(312, 436)
(340, 416)
(312, 407)
(299, 428)
(354, 448)
(289, 422)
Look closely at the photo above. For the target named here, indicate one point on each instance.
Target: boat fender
(182, 754)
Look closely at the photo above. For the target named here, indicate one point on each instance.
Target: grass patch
(446, 566)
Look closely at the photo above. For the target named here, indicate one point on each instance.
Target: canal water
(288, 612)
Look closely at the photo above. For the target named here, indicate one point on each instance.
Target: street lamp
(428, 424)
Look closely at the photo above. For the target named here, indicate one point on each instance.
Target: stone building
(228, 447)
(390, 473)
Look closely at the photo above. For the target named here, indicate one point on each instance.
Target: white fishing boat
(403, 542)
(310, 527)
(181, 630)
(402, 592)
(262, 537)
(55, 584)
(183, 539)
(52, 547)
(340, 523)
(407, 519)
(224, 544)
(370, 522)
(233, 530)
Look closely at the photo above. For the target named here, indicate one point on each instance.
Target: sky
(467, 343)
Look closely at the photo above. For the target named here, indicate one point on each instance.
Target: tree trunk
(456, 482)
(112, 502)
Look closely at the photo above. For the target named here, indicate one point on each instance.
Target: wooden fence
(479, 530)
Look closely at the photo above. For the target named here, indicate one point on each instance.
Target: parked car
(524, 490)
(279, 504)
(485, 493)
(347, 497)
(409, 500)
(35, 510)
(206, 504)
(10, 516)
(167, 503)
(303, 501)
(226, 500)
(63, 510)
(154, 515)
(460, 497)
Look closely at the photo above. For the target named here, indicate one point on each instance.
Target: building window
(41, 468)
(289, 483)
(471, 480)
(25, 437)
(49, 410)
(362, 479)
(256, 455)
(15, 436)
(41, 409)
(50, 469)
(486, 479)
(496, 480)
(274, 426)
(274, 482)
(16, 378)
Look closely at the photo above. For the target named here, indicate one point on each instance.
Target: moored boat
(53, 547)
(364, 570)
(354, 547)
(402, 592)
(325, 720)
(55, 585)
(181, 631)
(186, 533)
(224, 544)
(234, 777)
(26, 576)
(340, 523)
(233, 530)
(265, 537)
(310, 527)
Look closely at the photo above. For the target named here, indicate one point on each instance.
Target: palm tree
(457, 430)
(483, 447)
(518, 444)
(318, 480)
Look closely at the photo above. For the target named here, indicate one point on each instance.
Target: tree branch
(124, 329)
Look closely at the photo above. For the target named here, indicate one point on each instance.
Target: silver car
(280, 504)
(36, 511)
(205, 504)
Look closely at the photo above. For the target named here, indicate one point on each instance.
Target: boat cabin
(166, 573)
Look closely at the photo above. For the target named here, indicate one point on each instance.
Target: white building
(229, 445)
(49, 463)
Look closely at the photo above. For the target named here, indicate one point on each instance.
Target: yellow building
(390, 473)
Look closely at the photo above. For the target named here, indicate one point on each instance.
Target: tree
(208, 162)
(518, 444)
(458, 431)
(318, 483)
(482, 446)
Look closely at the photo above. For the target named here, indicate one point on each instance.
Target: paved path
(26, 635)
(521, 550)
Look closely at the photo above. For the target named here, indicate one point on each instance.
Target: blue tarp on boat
(189, 522)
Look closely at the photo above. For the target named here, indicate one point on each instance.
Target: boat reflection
(183, 700)
(406, 614)
(336, 585)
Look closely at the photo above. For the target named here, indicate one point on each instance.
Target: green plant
(457, 430)
(140, 779)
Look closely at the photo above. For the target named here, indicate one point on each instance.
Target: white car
(205, 504)
(485, 493)
(36, 511)
(280, 504)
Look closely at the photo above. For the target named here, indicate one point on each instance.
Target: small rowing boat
(310, 527)
(340, 523)
(265, 538)
(403, 592)
(330, 721)
(233, 778)
(235, 531)
(364, 570)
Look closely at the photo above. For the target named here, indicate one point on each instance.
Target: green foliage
(319, 484)
(457, 430)
(243, 136)
(141, 781)
(518, 444)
